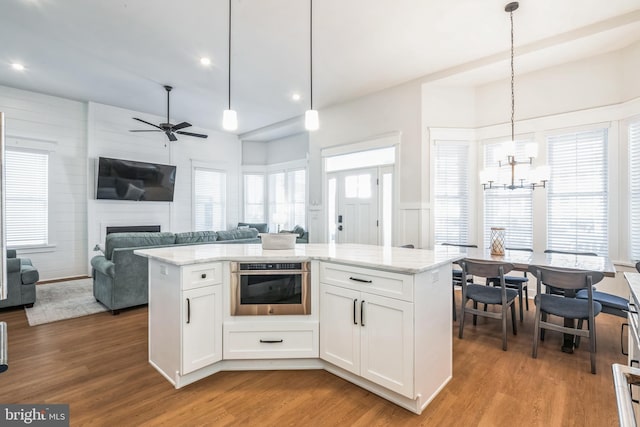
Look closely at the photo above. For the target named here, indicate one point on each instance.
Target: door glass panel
(387, 204)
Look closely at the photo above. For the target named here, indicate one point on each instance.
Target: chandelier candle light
(538, 177)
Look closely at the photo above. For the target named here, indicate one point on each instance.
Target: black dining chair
(565, 307)
(503, 296)
(520, 283)
(457, 276)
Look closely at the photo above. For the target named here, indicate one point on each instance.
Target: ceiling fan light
(311, 121)
(229, 120)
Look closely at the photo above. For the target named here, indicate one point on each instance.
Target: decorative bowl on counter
(278, 240)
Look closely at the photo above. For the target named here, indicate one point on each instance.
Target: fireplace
(133, 229)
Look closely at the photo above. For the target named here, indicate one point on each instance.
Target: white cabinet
(201, 331)
(185, 319)
(369, 335)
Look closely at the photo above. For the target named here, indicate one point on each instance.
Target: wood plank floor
(98, 365)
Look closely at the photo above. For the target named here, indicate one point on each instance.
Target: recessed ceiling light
(205, 61)
(18, 67)
(295, 97)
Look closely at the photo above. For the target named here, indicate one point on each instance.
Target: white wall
(109, 136)
(61, 124)
(282, 150)
(575, 86)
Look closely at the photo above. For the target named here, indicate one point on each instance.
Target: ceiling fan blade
(197, 135)
(171, 136)
(181, 126)
(145, 130)
(150, 124)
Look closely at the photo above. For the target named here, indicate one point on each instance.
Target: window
(451, 193)
(27, 197)
(577, 195)
(287, 196)
(634, 187)
(511, 209)
(209, 199)
(254, 198)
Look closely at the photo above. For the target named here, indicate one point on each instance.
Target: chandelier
(507, 174)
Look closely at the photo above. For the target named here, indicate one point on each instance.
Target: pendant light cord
(229, 64)
(311, 54)
(513, 98)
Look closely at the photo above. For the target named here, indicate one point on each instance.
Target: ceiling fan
(168, 128)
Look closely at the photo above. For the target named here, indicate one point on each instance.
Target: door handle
(355, 302)
(340, 227)
(362, 313)
(188, 310)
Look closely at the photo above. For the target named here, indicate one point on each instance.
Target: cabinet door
(339, 335)
(387, 343)
(201, 327)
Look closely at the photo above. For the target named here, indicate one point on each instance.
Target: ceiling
(121, 52)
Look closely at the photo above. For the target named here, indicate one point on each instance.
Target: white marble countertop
(402, 260)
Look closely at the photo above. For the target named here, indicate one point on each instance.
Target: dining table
(522, 259)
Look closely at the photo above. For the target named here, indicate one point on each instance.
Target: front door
(353, 206)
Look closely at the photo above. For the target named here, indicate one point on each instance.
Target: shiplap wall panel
(34, 116)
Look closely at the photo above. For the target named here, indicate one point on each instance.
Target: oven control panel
(266, 266)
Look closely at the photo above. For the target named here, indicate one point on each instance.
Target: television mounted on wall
(120, 179)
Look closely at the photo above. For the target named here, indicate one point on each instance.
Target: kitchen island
(379, 317)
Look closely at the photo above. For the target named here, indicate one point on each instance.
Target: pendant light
(538, 177)
(229, 117)
(311, 121)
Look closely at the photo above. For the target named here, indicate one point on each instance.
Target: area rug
(63, 300)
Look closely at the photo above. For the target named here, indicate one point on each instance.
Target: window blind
(451, 193)
(511, 209)
(27, 197)
(287, 193)
(577, 196)
(634, 189)
(254, 198)
(209, 199)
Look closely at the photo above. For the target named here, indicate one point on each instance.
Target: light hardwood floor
(98, 365)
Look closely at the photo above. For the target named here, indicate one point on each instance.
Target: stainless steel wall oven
(270, 288)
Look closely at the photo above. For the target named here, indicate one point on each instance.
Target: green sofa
(120, 278)
(21, 281)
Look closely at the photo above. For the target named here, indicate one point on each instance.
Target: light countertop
(401, 260)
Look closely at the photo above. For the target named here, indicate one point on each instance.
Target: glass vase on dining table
(497, 241)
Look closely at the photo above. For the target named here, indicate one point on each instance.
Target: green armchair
(21, 281)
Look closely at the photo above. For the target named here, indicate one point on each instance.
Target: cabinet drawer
(269, 341)
(198, 275)
(383, 283)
